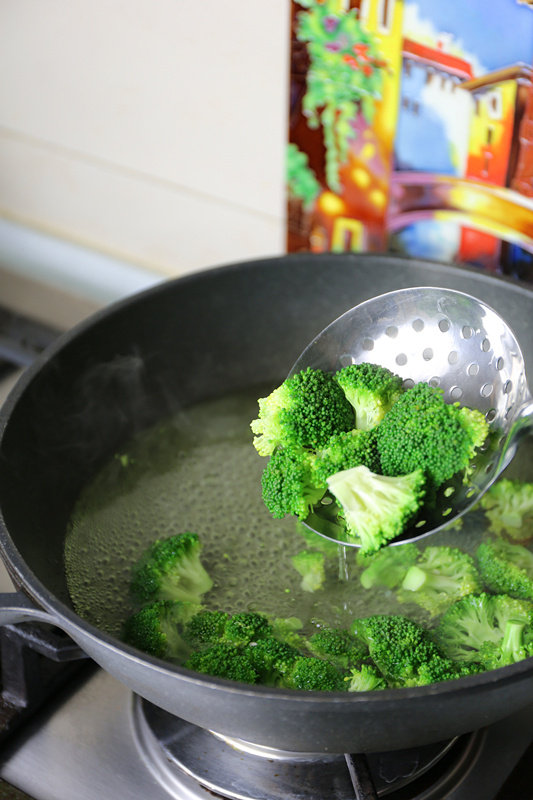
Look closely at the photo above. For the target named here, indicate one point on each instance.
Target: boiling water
(198, 471)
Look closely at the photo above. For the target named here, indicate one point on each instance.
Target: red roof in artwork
(438, 58)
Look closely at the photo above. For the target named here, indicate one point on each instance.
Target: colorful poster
(411, 130)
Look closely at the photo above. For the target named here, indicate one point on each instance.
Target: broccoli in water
(205, 627)
(304, 411)
(371, 389)
(376, 508)
(171, 570)
(508, 505)
(246, 627)
(310, 564)
(272, 659)
(155, 629)
(387, 567)
(344, 451)
(338, 646)
(208, 627)
(288, 630)
(493, 630)
(506, 568)
(440, 576)
(289, 483)
(403, 652)
(222, 644)
(365, 678)
(224, 660)
(422, 431)
(314, 674)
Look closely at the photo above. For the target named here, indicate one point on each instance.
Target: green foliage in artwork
(301, 180)
(344, 78)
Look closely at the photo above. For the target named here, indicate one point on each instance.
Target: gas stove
(95, 740)
(89, 737)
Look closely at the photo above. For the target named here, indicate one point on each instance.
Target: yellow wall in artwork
(384, 19)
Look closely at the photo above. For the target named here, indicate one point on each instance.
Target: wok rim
(24, 577)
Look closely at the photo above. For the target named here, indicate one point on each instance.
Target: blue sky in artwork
(498, 32)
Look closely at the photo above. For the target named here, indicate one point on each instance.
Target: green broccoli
(506, 568)
(338, 646)
(314, 674)
(289, 483)
(304, 411)
(469, 623)
(387, 567)
(440, 576)
(376, 508)
(205, 627)
(371, 389)
(515, 645)
(170, 569)
(272, 659)
(422, 431)
(310, 564)
(246, 627)
(288, 630)
(365, 678)
(508, 505)
(346, 450)
(403, 651)
(156, 629)
(224, 660)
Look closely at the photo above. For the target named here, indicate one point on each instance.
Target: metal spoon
(448, 339)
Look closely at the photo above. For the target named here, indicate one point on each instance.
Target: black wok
(188, 340)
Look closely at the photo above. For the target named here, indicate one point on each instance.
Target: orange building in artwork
(494, 148)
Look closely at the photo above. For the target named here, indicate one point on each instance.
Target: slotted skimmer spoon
(448, 339)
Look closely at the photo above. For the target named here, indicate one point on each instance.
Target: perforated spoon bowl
(448, 339)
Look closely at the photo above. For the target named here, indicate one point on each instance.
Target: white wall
(150, 130)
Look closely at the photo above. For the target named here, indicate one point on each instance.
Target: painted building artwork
(411, 130)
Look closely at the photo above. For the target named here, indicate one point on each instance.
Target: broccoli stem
(512, 642)
(416, 578)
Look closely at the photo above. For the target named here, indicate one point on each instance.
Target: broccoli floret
(289, 483)
(508, 506)
(387, 567)
(224, 660)
(310, 564)
(440, 669)
(272, 659)
(422, 431)
(506, 568)
(314, 674)
(478, 618)
(440, 576)
(376, 508)
(304, 411)
(156, 629)
(246, 627)
(171, 570)
(338, 646)
(365, 678)
(371, 389)
(344, 451)
(287, 629)
(205, 627)
(402, 650)
(515, 645)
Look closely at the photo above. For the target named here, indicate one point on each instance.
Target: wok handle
(17, 607)
(55, 644)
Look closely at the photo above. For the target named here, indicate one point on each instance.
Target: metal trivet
(238, 770)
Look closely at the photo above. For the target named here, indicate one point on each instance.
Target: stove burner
(240, 770)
